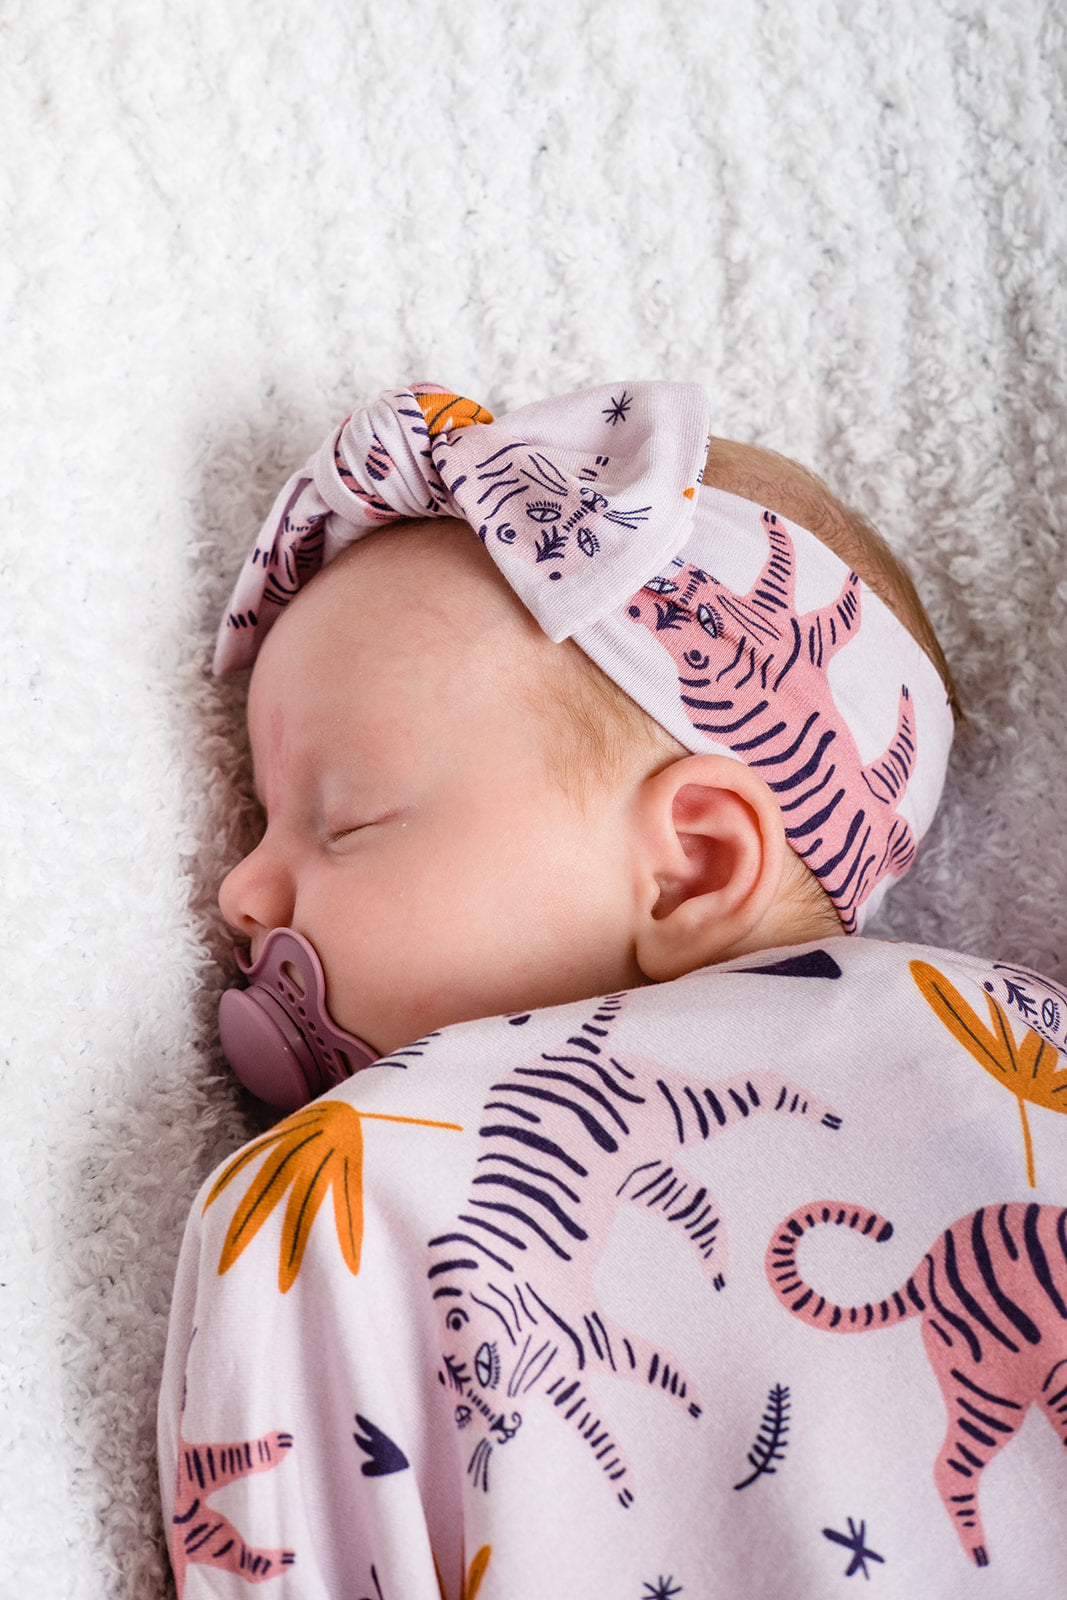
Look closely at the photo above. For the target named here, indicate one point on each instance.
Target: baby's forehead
(414, 601)
(430, 581)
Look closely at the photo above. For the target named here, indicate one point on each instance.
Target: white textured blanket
(223, 224)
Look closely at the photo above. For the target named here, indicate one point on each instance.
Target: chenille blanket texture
(226, 224)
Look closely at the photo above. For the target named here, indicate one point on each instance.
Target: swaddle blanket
(739, 631)
(748, 1284)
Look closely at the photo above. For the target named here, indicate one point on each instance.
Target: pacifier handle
(277, 1033)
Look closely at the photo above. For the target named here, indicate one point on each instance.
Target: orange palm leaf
(473, 1581)
(348, 1210)
(1030, 1069)
(446, 412)
(477, 1572)
(312, 1151)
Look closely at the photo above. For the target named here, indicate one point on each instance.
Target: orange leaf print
(312, 1151)
(446, 412)
(1030, 1070)
(473, 1581)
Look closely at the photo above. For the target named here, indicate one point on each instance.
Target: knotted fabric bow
(740, 632)
(579, 498)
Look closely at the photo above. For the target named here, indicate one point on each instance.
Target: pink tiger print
(992, 1295)
(208, 1537)
(378, 464)
(752, 674)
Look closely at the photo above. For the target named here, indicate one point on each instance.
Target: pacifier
(277, 1034)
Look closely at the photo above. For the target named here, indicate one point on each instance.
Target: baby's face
(415, 834)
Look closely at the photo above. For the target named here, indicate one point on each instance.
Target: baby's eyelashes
(345, 833)
(338, 835)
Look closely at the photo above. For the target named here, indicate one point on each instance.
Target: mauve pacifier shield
(277, 1034)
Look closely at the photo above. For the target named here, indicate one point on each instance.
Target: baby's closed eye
(339, 835)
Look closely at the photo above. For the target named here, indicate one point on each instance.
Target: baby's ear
(712, 852)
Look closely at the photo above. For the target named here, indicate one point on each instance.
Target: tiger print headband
(738, 631)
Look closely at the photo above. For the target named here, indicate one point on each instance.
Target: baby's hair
(603, 734)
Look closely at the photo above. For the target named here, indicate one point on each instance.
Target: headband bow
(740, 632)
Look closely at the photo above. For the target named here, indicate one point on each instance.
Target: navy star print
(617, 410)
(854, 1541)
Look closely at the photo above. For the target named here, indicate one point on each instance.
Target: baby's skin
(419, 835)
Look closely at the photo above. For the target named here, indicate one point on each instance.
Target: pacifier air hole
(290, 972)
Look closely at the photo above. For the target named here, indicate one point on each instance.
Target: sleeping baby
(586, 749)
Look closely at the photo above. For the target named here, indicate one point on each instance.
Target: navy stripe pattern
(992, 1296)
(204, 1535)
(566, 1138)
(752, 676)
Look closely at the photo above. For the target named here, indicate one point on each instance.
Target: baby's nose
(257, 895)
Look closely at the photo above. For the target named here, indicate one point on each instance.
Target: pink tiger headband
(740, 632)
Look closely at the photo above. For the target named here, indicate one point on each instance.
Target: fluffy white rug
(226, 221)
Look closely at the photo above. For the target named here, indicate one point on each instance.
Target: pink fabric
(738, 631)
(744, 1285)
(577, 498)
(752, 673)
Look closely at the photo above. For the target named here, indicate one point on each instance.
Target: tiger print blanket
(746, 1285)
